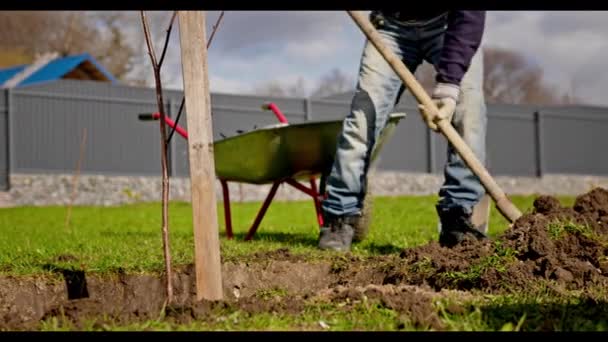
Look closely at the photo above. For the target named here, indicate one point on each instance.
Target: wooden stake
(200, 154)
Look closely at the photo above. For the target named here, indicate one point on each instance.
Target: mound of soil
(552, 244)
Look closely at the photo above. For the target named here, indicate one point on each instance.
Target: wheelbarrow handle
(147, 117)
(155, 116)
(277, 112)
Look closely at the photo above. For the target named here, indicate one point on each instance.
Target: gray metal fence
(41, 128)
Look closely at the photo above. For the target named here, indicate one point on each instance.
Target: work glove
(445, 97)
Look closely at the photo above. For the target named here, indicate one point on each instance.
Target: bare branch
(76, 176)
(164, 166)
(144, 22)
(510, 78)
(217, 24)
(179, 113)
(162, 56)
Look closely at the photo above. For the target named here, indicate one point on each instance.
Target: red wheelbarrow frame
(311, 191)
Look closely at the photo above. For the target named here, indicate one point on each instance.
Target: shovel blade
(481, 214)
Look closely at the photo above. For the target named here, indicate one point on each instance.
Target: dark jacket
(461, 40)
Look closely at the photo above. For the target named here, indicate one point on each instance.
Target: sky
(254, 47)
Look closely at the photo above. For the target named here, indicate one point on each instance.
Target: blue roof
(55, 70)
(8, 73)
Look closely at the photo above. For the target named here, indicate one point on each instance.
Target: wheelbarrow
(277, 154)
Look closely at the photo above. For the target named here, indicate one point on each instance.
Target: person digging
(449, 40)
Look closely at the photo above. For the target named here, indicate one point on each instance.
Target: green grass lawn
(104, 239)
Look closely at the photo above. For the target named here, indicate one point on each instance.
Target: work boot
(337, 233)
(456, 225)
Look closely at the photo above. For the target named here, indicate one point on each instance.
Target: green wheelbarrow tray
(297, 151)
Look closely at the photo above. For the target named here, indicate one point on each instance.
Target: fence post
(5, 145)
(538, 134)
(307, 109)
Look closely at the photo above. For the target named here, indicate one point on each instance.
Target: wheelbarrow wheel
(362, 224)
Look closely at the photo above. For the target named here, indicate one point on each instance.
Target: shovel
(504, 205)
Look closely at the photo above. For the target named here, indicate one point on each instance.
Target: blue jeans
(378, 91)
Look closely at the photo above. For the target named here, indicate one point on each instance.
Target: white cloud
(567, 49)
(258, 46)
(219, 84)
(565, 22)
(314, 51)
(245, 29)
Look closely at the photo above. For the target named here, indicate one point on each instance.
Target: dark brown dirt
(414, 304)
(281, 287)
(552, 247)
